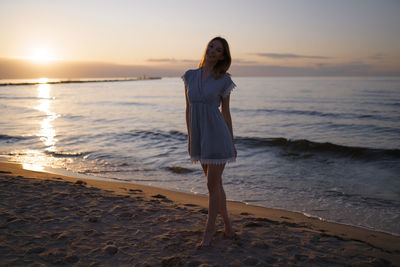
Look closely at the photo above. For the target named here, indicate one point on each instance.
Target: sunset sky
(122, 38)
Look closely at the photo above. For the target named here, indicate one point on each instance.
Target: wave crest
(306, 146)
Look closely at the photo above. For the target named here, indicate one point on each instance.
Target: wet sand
(48, 219)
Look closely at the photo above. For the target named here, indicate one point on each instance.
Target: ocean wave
(130, 103)
(14, 138)
(302, 146)
(21, 97)
(59, 154)
(306, 146)
(153, 135)
(118, 103)
(313, 113)
(358, 198)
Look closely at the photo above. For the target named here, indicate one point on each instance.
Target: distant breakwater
(82, 81)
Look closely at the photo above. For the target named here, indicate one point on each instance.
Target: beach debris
(252, 224)
(179, 170)
(204, 211)
(111, 249)
(135, 191)
(118, 209)
(62, 236)
(163, 198)
(190, 205)
(81, 183)
(159, 196)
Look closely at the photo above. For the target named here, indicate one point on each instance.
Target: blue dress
(210, 138)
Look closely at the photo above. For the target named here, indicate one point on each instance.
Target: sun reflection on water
(32, 167)
(47, 132)
(43, 80)
(36, 160)
(44, 90)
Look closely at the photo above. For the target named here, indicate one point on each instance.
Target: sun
(42, 55)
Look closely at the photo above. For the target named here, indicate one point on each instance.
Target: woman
(210, 135)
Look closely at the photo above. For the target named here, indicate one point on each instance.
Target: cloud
(288, 55)
(354, 68)
(190, 61)
(244, 62)
(320, 69)
(162, 60)
(171, 60)
(378, 56)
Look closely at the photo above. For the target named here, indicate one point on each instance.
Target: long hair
(222, 66)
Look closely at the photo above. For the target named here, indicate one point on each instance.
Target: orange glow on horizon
(42, 55)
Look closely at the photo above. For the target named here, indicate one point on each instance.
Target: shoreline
(280, 234)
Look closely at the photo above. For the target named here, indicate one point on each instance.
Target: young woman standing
(210, 134)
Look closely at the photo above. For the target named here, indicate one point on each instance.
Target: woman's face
(215, 52)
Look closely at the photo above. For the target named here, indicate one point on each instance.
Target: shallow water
(135, 131)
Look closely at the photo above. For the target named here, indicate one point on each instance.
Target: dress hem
(213, 161)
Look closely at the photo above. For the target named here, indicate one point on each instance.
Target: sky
(165, 37)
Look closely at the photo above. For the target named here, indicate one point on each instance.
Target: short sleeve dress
(210, 138)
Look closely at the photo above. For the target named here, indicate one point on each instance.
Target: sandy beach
(48, 219)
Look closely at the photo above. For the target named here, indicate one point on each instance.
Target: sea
(327, 147)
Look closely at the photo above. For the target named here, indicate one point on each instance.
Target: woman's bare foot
(229, 232)
(207, 238)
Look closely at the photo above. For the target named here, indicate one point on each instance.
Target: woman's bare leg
(224, 213)
(214, 173)
(222, 208)
(216, 202)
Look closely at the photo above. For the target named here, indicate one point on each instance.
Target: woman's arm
(187, 117)
(226, 113)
